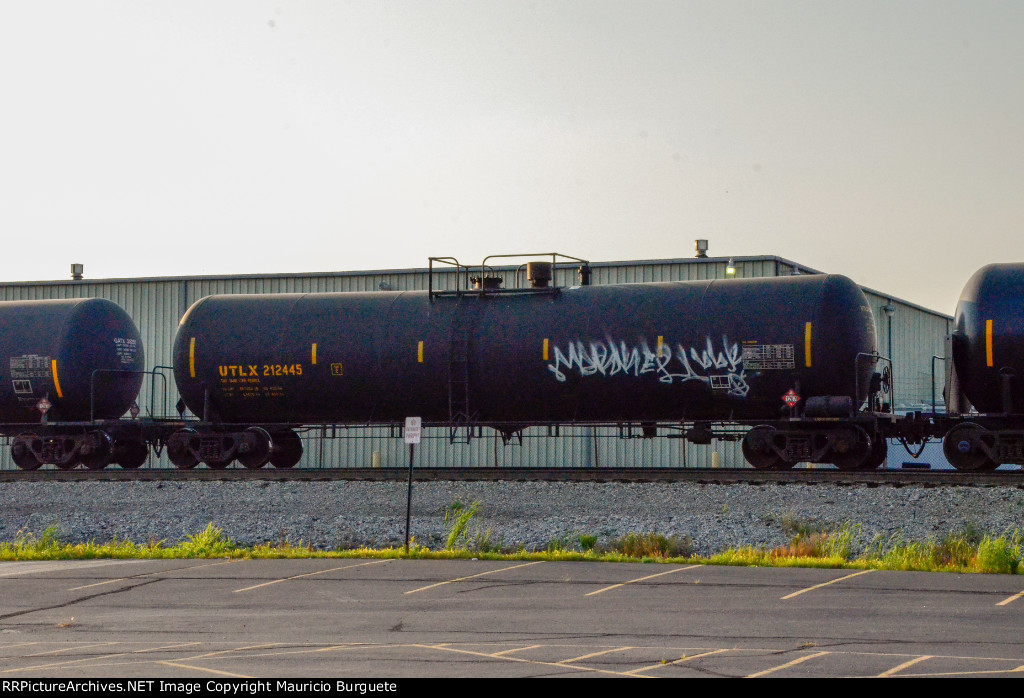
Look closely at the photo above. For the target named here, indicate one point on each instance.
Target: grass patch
(961, 551)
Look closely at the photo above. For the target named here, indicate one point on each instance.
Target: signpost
(413, 429)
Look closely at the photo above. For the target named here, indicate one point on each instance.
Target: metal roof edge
(419, 270)
(372, 272)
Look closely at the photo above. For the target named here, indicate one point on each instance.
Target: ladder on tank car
(459, 416)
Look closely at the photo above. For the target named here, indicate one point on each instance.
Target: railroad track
(1010, 478)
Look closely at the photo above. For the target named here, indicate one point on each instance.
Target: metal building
(910, 334)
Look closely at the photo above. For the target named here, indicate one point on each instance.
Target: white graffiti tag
(720, 370)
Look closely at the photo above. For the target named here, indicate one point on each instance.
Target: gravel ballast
(333, 515)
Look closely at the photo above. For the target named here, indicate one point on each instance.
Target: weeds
(210, 543)
(456, 520)
(460, 537)
(653, 545)
(963, 551)
(798, 527)
(999, 555)
(835, 545)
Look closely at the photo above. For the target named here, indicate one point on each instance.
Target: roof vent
(538, 274)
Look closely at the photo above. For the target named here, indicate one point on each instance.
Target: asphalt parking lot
(470, 618)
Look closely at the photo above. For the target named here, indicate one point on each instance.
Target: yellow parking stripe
(596, 654)
(1006, 602)
(641, 579)
(443, 647)
(677, 661)
(825, 584)
(215, 672)
(69, 649)
(309, 574)
(151, 574)
(904, 665)
(473, 576)
(504, 653)
(801, 660)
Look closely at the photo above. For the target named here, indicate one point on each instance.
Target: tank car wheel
(178, 449)
(862, 461)
(962, 448)
(858, 452)
(98, 454)
(67, 458)
(879, 450)
(130, 453)
(758, 451)
(22, 455)
(255, 448)
(287, 451)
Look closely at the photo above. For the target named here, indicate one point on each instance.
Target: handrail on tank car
(892, 380)
(461, 269)
(153, 374)
(152, 387)
(943, 359)
(458, 274)
(555, 256)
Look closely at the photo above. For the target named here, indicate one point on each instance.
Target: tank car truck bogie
(66, 446)
(849, 446)
(219, 446)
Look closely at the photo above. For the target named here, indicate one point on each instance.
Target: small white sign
(413, 428)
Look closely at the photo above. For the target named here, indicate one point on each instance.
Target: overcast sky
(881, 140)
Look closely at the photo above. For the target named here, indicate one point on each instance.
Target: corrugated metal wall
(156, 305)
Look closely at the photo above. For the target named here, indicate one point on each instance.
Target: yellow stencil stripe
(661, 341)
(56, 383)
(807, 344)
(192, 358)
(419, 353)
(314, 353)
(988, 342)
(545, 349)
